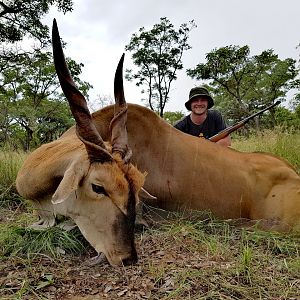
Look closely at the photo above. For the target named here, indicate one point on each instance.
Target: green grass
(10, 163)
(16, 241)
(282, 144)
(220, 261)
(186, 257)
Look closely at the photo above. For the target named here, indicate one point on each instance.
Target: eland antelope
(82, 177)
(185, 172)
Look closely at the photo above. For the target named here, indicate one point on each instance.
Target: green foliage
(172, 117)
(158, 55)
(243, 84)
(287, 119)
(33, 109)
(19, 18)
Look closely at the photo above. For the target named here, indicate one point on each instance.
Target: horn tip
(54, 23)
(54, 28)
(122, 59)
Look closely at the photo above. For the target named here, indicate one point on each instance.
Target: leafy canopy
(19, 18)
(158, 55)
(33, 109)
(243, 84)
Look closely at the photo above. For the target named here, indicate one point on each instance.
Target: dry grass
(183, 258)
(194, 257)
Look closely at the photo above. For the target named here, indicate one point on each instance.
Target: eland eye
(99, 189)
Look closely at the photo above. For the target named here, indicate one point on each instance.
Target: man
(202, 121)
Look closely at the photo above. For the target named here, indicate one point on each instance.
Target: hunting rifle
(225, 132)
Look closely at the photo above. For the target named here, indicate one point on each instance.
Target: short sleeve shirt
(212, 125)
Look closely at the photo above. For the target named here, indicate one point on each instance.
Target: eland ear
(70, 181)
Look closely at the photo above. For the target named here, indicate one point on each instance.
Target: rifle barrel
(260, 112)
(225, 132)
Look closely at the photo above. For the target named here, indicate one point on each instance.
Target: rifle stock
(222, 134)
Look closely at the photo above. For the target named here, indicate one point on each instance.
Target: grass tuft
(52, 241)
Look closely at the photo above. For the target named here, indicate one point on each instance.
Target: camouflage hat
(199, 91)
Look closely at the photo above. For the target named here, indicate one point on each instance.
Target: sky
(97, 31)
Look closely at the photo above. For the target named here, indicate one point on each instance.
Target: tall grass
(285, 145)
(10, 163)
(198, 257)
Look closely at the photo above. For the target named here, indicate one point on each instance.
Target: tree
(32, 105)
(173, 116)
(158, 55)
(243, 84)
(285, 118)
(19, 18)
(101, 101)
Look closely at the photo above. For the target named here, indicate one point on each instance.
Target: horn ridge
(119, 139)
(85, 128)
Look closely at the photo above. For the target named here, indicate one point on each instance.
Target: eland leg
(47, 217)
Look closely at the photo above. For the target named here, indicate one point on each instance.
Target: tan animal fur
(82, 177)
(188, 172)
(61, 170)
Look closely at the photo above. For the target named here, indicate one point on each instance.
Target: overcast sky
(97, 31)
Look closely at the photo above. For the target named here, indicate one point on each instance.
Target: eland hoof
(43, 224)
(67, 225)
(99, 259)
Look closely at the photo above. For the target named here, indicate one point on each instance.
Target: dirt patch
(71, 278)
(182, 259)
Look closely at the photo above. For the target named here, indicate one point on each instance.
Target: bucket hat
(199, 91)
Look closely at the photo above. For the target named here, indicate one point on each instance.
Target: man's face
(199, 105)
